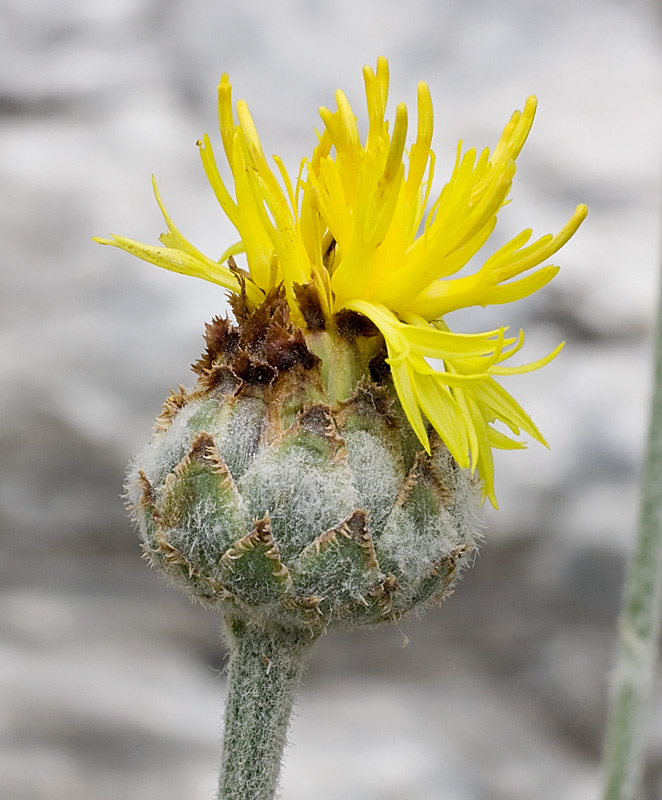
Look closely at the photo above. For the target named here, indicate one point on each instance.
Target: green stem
(266, 665)
(639, 622)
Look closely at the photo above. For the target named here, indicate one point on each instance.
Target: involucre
(288, 487)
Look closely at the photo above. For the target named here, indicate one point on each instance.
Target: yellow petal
(355, 223)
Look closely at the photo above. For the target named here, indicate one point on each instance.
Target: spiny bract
(266, 494)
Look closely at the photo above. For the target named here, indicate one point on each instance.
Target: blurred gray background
(110, 682)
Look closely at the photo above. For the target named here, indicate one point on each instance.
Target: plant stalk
(266, 666)
(639, 621)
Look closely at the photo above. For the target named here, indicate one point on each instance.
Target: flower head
(356, 232)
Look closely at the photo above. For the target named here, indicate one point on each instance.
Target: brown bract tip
(203, 449)
(356, 527)
(317, 419)
(148, 495)
(263, 344)
(176, 401)
(262, 530)
(310, 305)
(423, 473)
(351, 324)
(253, 371)
(222, 341)
(372, 400)
(224, 380)
(380, 371)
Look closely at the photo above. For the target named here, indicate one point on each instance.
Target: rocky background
(111, 683)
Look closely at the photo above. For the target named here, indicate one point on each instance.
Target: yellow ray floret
(359, 223)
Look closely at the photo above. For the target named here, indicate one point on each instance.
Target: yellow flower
(357, 225)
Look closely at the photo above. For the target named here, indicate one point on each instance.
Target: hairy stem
(266, 665)
(639, 622)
